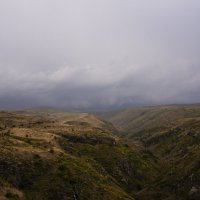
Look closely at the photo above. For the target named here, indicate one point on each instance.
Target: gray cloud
(108, 53)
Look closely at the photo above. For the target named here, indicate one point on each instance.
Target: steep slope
(137, 122)
(67, 156)
(172, 135)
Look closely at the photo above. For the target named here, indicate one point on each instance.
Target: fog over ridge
(86, 54)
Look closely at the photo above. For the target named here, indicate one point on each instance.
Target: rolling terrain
(74, 156)
(147, 153)
(172, 135)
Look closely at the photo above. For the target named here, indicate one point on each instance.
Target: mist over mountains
(99, 100)
(106, 54)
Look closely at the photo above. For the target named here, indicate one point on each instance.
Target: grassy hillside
(48, 155)
(137, 122)
(53, 155)
(172, 135)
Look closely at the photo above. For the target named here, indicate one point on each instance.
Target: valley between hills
(144, 153)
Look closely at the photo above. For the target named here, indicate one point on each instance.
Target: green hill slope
(68, 156)
(172, 135)
(137, 122)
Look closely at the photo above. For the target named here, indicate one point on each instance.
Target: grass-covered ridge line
(172, 135)
(68, 156)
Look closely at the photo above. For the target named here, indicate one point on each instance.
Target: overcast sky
(99, 53)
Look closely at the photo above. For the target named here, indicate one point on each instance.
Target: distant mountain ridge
(132, 121)
(172, 135)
